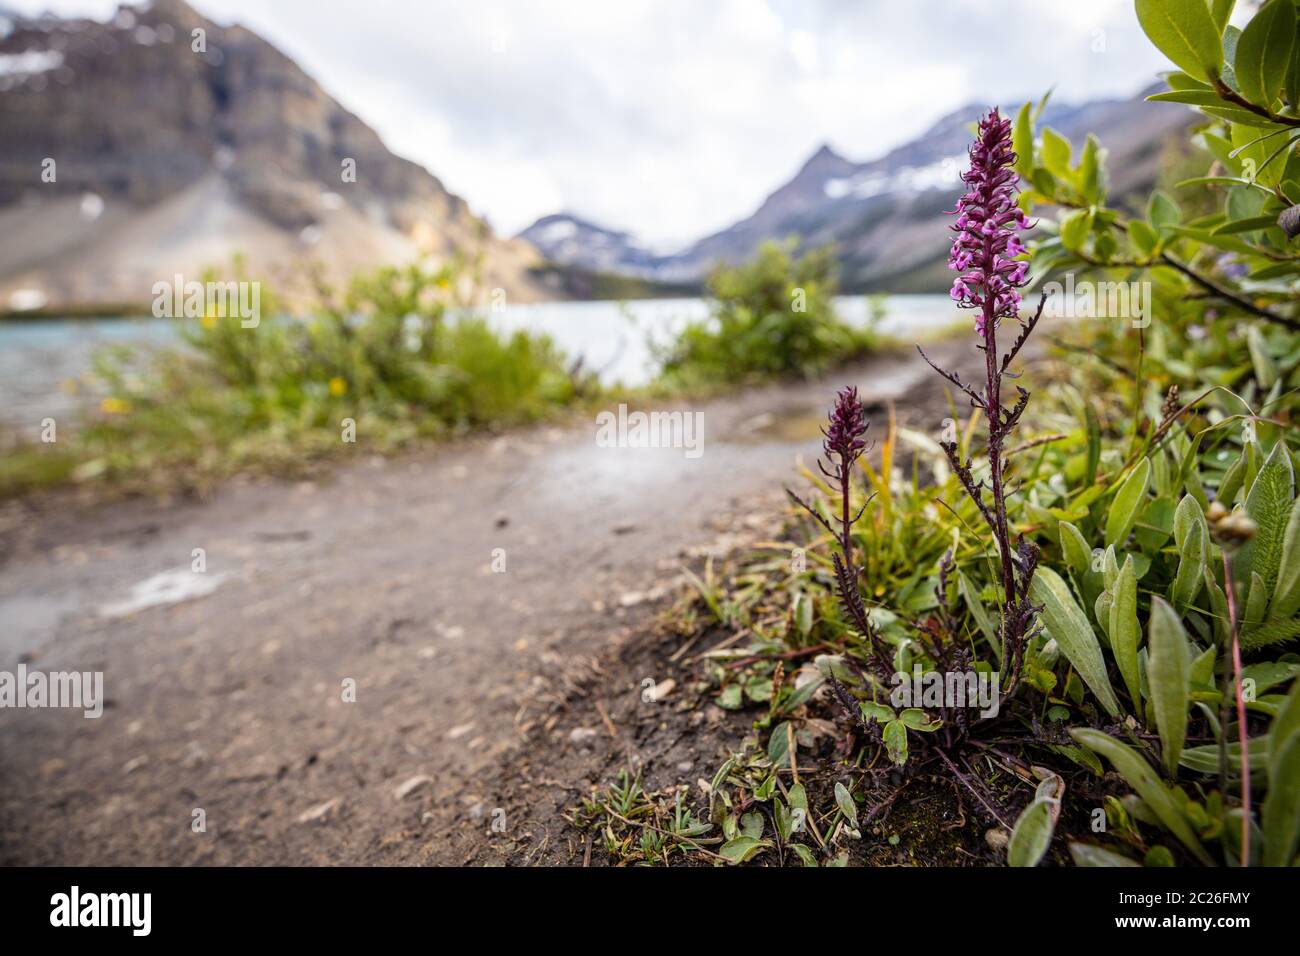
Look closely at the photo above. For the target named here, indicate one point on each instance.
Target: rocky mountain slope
(162, 143)
(884, 214)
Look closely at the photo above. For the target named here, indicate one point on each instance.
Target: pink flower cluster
(986, 247)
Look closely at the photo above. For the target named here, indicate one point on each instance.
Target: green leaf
(1162, 212)
(1265, 368)
(742, 849)
(1075, 228)
(1123, 630)
(978, 611)
(1268, 503)
(1056, 153)
(1186, 32)
(805, 855)
(1281, 811)
(1073, 634)
(1192, 536)
(1286, 595)
(1093, 426)
(1205, 759)
(1128, 503)
(1221, 10)
(1075, 548)
(1142, 236)
(1284, 725)
(1022, 141)
(1142, 779)
(1248, 224)
(1032, 834)
(916, 719)
(895, 736)
(1190, 97)
(778, 745)
(1085, 854)
(844, 800)
(784, 819)
(1092, 170)
(1264, 52)
(1169, 679)
(803, 614)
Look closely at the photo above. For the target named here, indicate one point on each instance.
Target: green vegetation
(770, 317)
(386, 362)
(1154, 483)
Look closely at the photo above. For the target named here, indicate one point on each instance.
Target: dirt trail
(232, 703)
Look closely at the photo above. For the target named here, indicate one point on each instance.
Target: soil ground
(475, 690)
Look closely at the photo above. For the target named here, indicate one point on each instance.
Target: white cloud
(672, 118)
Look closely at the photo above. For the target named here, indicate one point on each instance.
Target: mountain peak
(190, 148)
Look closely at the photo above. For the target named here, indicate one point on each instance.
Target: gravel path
(226, 707)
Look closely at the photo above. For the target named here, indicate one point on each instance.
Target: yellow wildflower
(338, 386)
(114, 406)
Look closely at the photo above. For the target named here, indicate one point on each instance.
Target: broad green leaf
(1085, 854)
(1069, 627)
(1075, 228)
(1221, 10)
(1075, 548)
(1056, 153)
(1186, 32)
(1032, 834)
(1127, 504)
(1265, 368)
(1142, 236)
(1139, 775)
(1123, 630)
(916, 719)
(1192, 536)
(1169, 678)
(1162, 212)
(778, 745)
(844, 800)
(1092, 170)
(1022, 141)
(805, 855)
(1281, 811)
(1264, 52)
(784, 819)
(742, 849)
(895, 737)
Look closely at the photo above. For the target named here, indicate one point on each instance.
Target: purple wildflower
(986, 248)
(846, 434)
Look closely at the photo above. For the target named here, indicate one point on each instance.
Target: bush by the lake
(770, 317)
(394, 358)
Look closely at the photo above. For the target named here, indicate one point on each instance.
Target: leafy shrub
(394, 354)
(770, 317)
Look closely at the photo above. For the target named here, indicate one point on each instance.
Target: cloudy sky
(673, 118)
